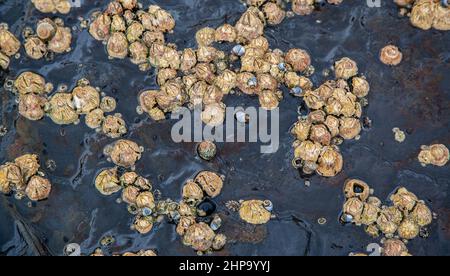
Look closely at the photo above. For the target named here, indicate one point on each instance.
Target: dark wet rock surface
(413, 96)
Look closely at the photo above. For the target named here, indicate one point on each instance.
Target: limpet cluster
(53, 6)
(427, 14)
(196, 203)
(51, 36)
(437, 155)
(335, 116)
(130, 31)
(24, 178)
(65, 108)
(9, 46)
(402, 221)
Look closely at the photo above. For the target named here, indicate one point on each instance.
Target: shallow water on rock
(414, 96)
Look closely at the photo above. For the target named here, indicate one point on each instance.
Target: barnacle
(100, 27)
(107, 182)
(145, 200)
(394, 248)
(250, 25)
(437, 155)
(330, 162)
(118, 45)
(28, 164)
(391, 55)
(85, 98)
(422, 215)
(61, 41)
(31, 106)
(94, 119)
(199, 236)
(10, 177)
(62, 110)
(404, 199)
(354, 207)
(303, 7)
(35, 47)
(254, 212)
(211, 183)
(192, 191)
(207, 150)
(356, 188)
(274, 13)
(125, 153)
(114, 126)
(345, 68)
(205, 36)
(9, 44)
(38, 188)
(143, 225)
(299, 59)
(408, 229)
(213, 114)
(225, 33)
(29, 82)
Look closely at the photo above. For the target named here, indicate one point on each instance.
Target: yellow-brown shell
(404, 199)
(100, 27)
(269, 100)
(391, 55)
(130, 194)
(225, 33)
(31, 106)
(107, 182)
(46, 29)
(29, 82)
(422, 215)
(354, 207)
(345, 68)
(10, 177)
(361, 87)
(125, 153)
(114, 126)
(213, 114)
(301, 129)
(211, 183)
(61, 41)
(308, 151)
(199, 236)
(117, 46)
(38, 188)
(274, 13)
(188, 60)
(394, 248)
(205, 36)
(356, 188)
(320, 134)
(192, 191)
(184, 224)
(250, 25)
(422, 14)
(94, 119)
(226, 81)
(145, 200)
(85, 98)
(143, 225)
(28, 164)
(303, 7)
(9, 44)
(331, 162)
(62, 110)
(254, 212)
(349, 128)
(437, 155)
(35, 47)
(408, 229)
(299, 59)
